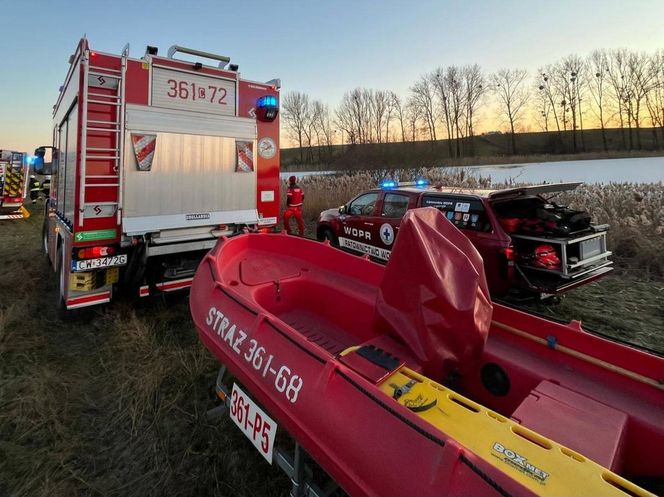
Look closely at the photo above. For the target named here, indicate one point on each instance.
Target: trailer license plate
(253, 421)
(85, 265)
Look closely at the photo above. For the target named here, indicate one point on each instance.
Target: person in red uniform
(294, 201)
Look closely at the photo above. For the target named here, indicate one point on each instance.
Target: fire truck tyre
(45, 240)
(63, 313)
(327, 234)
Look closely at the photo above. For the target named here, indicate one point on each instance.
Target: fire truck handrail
(120, 136)
(223, 60)
(84, 138)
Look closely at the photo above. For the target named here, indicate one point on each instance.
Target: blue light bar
(388, 183)
(267, 101)
(421, 182)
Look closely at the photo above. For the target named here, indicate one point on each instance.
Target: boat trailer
(294, 465)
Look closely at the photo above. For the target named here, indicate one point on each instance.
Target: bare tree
(413, 116)
(400, 112)
(512, 93)
(309, 130)
(344, 121)
(322, 129)
(388, 117)
(363, 107)
(457, 104)
(596, 76)
(611, 86)
(643, 77)
(422, 95)
(441, 86)
(561, 84)
(474, 87)
(380, 103)
(618, 79)
(550, 94)
(354, 115)
(655, 97)
(295, 111)
(542, 109)
(570, 84)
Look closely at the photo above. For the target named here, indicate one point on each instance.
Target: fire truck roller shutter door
(194, 160)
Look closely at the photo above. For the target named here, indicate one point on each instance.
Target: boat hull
(285, 316)
(343, 421)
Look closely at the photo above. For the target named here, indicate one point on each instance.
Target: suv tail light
(510, 254)
(506, 268)
(95, 252)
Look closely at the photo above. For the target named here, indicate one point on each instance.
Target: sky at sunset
(321, 48)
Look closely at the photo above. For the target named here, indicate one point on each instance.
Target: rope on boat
(584, 357)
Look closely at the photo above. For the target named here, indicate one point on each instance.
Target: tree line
(607, 89)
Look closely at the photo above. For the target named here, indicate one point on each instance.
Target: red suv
(526, 241)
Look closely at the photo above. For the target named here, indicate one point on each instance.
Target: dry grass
(623, 307)
(114, 404)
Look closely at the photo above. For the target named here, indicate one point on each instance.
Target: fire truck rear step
(174, 248)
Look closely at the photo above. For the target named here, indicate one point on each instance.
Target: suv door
(469, 214)
(358, 226)
(392, 210)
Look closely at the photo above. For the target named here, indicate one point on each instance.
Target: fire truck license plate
(254, 423)
(116, 260)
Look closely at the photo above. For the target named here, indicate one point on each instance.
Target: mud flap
(135, 270)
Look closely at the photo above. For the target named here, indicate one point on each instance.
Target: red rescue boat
(407, 380)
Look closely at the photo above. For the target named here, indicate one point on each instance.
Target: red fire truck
(13, 184)
(153, 159)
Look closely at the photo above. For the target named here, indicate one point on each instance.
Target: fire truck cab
(153, 160)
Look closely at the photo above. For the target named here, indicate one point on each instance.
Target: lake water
(634, 170)
(641, 170)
